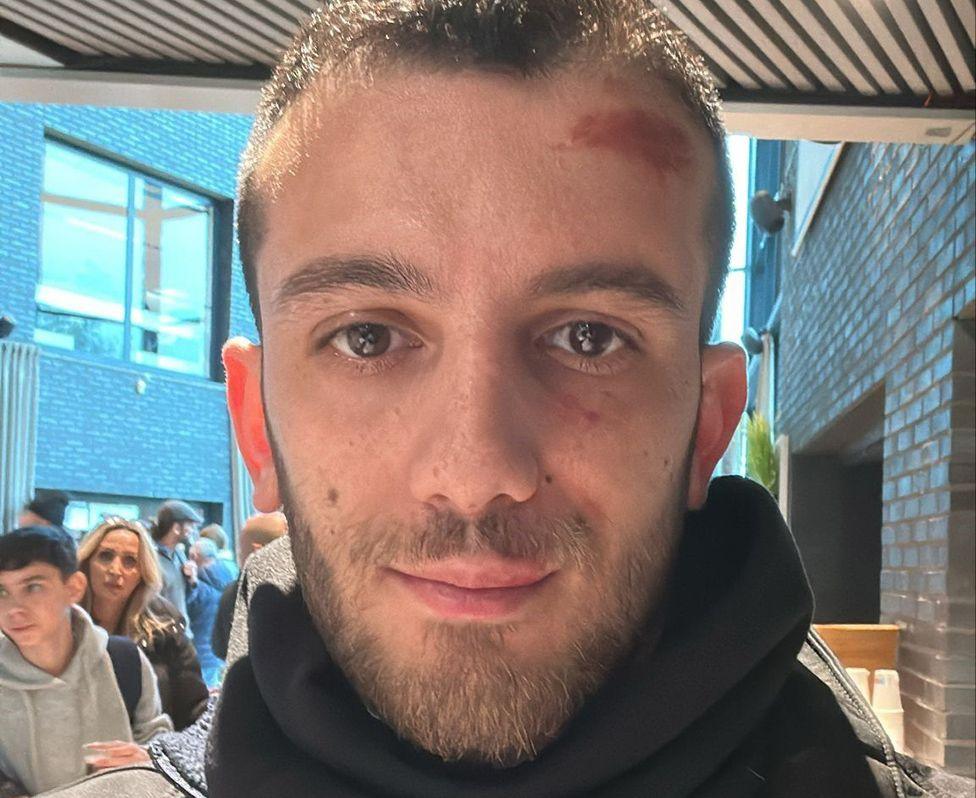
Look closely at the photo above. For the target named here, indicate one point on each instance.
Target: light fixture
(768, 213)
(7, 325)
(752, 341)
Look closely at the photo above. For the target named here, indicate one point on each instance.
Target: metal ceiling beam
(220, 93)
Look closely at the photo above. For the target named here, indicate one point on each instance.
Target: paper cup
(862, 678)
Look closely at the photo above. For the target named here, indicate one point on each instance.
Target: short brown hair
(531, 38)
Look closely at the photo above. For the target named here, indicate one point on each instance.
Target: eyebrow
(326, 275)
(632, 281)
(33, 578)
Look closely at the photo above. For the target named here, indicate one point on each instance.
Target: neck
(170, 539)
(53, 656)
(107, 614)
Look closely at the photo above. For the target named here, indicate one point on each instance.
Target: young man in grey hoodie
(60, 699)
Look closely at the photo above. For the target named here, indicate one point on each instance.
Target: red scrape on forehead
(635, 133)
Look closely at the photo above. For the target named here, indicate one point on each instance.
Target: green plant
(762, 459)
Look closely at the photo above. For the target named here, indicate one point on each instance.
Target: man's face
(481, 376)
(35, 601)
(189, 532)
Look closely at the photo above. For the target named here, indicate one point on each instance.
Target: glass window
(730, 322)
(126, 264)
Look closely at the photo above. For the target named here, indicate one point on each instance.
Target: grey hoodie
(46, 719)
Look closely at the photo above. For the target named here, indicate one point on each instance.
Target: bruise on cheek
(570, 403)
(635, 133)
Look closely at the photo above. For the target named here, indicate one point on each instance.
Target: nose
(15, 614)
(476, 451)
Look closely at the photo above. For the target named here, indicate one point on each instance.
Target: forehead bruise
(635, 133)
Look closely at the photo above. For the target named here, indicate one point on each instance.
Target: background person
(47, 510)
(176, 524)
(258, 531)
(218, 535)
(202, 605)
(58, 686)
(122, 597)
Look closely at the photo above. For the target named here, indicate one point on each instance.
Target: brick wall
(871, 301)
(96, 434)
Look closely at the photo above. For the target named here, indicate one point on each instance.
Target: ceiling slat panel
(966, 11)
(920, 46)
(755, 48)
(703, 42)
(189, 28)
(697, 9)
(758, 36)
(76, 29)
(950, 46)
(273, 15)
(228, 17)
(129, 21)
(104, 28)
(55, 34)
(292, 8)
(892, 48)
(826, 43)
(256, 16)
(793, 40)
(194, 14)
(145, 22)
(863, 48)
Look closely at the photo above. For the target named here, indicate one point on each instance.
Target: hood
(663, 724)
(90, 644)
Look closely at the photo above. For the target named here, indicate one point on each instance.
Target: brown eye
(364, 340)
(588, 339)
(105, 556)
(129, 562)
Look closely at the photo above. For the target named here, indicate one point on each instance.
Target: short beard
(468, 701)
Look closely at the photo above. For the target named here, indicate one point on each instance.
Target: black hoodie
(719, 707)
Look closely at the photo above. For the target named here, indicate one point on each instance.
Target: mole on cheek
(332, 497)
(635, 133)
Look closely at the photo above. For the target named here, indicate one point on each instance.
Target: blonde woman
(118, 557)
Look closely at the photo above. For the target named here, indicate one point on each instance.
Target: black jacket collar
(667, 719)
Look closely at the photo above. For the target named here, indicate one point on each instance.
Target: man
(61, 693)
(210, 567)
(46, 510)
(216, 533)
(202, 604)
(176, 524)
(258, 531)
(484, 244)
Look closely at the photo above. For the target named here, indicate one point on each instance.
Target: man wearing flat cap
(176, 522)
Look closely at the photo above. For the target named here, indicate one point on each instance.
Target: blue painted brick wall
(96, 434)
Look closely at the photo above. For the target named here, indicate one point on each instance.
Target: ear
(242, 362)
(77, 584)
(723, 398)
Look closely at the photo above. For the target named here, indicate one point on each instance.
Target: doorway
(835, 514)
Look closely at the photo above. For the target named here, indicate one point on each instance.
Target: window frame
(218, 278)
